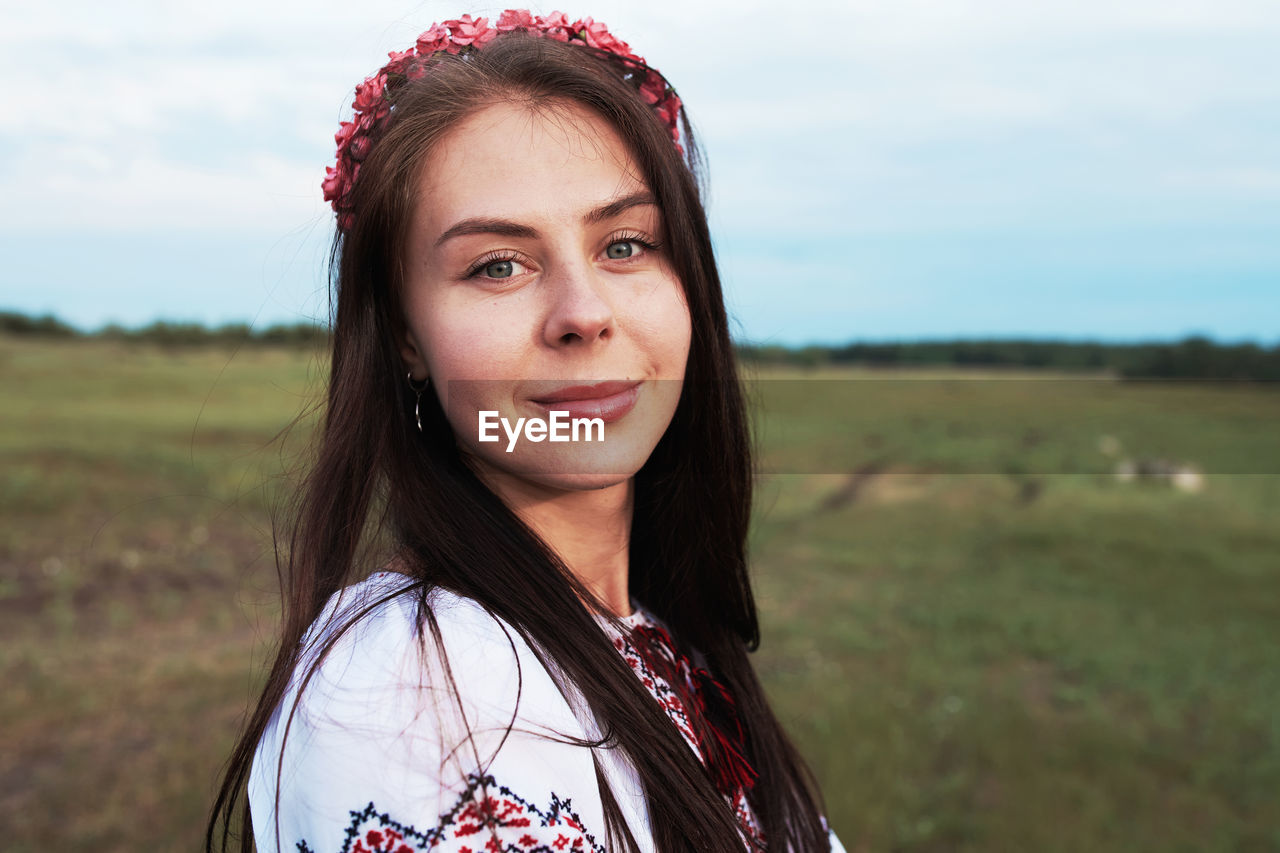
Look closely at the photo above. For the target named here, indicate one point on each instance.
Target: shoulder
(388, 611)
(391, 719)
(383, 634)
(382, 652)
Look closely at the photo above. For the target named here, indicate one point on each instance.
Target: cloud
(800, 113)
(82, 187)
(824, 122)
(1262, 180)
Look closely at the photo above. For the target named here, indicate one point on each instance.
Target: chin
(582, 482)
(583, 468)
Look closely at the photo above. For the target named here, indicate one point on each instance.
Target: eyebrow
(507, 228)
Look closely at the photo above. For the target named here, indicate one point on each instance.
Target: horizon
(260, 328)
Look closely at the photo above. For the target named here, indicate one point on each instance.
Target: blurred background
(1006, 282)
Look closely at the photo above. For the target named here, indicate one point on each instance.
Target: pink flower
(515, 19)
(360, 147)
(427, 48)
(343, 136)
(465, 31)
(653, 89)
(433, 39)
(332, 184)
(369, 93)
(399, 61)
(667, 113)
(597, 35)
(369, 120)
(556, 26)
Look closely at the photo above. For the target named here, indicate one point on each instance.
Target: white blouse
(378, 758)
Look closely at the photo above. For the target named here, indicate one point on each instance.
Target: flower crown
(464, 36)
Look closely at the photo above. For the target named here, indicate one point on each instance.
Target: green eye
(620, 249)
(499, 269)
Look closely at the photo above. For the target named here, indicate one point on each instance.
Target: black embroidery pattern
(488, 818)
(669, 699)
(496, 822)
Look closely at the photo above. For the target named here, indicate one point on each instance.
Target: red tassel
(709, 706)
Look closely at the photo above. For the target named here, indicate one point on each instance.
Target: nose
(579, 307)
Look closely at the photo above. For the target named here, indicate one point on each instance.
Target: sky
(1070, 169)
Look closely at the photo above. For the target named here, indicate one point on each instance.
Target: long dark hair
(376, 476)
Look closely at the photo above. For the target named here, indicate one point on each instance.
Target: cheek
(469, 341)
(670, 328)
(684, 322)
(473, 352)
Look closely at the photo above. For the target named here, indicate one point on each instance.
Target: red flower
(653, 89)
(333, 184)
(668, 111)
(399, 61)
(360, 146)
(433, 39)
(369, 93)
(556, 26)
(597, 35)
(515, 19)
(464, 30)
(373, 116)
(343, 136)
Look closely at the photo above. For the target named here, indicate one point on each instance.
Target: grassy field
(980, 636)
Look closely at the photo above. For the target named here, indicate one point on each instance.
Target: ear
(412, 355)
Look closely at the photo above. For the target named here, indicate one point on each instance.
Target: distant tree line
(1191, 358)
(169, 334)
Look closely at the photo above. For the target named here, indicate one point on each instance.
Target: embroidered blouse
(381, 757)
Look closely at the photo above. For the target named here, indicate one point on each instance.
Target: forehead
(512, 161)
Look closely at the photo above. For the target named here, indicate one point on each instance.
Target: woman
(555, 657)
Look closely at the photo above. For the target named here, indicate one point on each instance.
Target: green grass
(979, 637)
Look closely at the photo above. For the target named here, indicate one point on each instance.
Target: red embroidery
(511, 824)
(678, 686)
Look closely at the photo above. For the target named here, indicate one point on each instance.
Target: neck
(590, 530)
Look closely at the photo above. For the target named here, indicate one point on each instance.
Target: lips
(608, 401)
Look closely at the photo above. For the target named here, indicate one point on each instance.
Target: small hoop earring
(417, 390)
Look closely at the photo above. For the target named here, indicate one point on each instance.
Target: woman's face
(535, 282)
